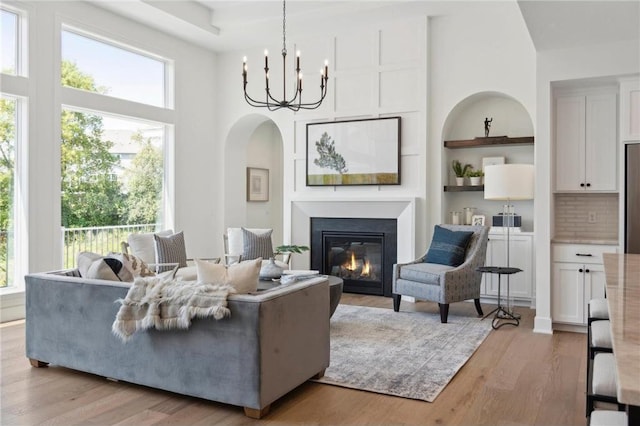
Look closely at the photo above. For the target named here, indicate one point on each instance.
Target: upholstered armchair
(424, 279)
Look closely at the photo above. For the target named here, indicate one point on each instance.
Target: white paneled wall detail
(375, 72)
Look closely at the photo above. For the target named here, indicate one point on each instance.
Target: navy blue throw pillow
(448, 247)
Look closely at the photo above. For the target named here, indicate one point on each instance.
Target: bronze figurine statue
(487, 126)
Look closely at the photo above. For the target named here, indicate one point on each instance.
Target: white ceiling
(565, 24)
(231, 25)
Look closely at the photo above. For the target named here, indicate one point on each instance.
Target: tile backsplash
(572, 213)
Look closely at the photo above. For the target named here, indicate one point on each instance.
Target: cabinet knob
(580, 270)
(582, 185)
(588, 184)
(586, 270)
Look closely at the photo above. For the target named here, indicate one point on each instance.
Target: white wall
(264, 150)
(604, 60)
(418, 68)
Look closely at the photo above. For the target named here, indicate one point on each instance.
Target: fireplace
(361, 251)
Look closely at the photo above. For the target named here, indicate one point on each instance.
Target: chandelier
(295, 103)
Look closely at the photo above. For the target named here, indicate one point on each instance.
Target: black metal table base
(502, 317)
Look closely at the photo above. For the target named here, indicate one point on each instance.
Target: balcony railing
(97, 239)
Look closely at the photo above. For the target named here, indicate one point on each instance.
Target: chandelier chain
(284, 30)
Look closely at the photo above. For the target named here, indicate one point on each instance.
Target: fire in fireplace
(360, 251)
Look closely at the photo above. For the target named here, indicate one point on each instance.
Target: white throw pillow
(143, 245)
(242, 276)
(109, 268)
(84, 259)
(212, 273)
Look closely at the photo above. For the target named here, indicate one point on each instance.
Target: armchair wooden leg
(478, 307)
(396, 301)
(444, 312)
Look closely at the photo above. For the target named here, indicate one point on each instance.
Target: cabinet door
(601, 157)
(569, 144)
(594, 284)
(630, 110)
(567, 293)
(520, 256)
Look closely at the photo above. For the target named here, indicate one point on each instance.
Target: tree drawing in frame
(329, 158)
(355, 152)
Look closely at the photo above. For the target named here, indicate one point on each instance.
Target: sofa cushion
(242, 276)
(448, 247)
(170, 249)
(84, 259)
(256, 245)
(428, 273)
(136, 265)
(109, 268)
(143, 246)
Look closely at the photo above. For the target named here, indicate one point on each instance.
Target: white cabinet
(585, 142)
(630, 110)
(577, 277)
(520, 256)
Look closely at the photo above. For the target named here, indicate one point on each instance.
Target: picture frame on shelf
(478, 220)
(353, 152)
(257, 184)
(491, 161)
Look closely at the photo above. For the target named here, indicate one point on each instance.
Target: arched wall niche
(253, 141)
(466, 121)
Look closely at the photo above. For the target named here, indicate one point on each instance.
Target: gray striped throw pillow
(256, 245)
(170, 250)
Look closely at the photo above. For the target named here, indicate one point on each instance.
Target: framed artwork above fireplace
(354, 152)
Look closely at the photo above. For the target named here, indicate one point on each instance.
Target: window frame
(22, 40)
(168, 92)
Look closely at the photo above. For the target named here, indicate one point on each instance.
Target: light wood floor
(516, 377)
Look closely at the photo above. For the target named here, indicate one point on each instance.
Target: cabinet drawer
(581, 253)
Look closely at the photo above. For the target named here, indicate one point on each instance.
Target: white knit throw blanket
(168, 304)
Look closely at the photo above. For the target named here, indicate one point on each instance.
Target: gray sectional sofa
(272, 342)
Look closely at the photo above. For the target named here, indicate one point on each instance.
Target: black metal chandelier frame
(295, 103)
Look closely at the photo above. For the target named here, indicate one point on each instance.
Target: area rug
(406, 354)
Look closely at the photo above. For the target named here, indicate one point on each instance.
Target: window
(112, 171)
(9, 26)
(116, 71)
(112, 163)
(8, 130)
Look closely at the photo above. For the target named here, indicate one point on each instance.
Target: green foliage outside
(144, 183)
(7, 151)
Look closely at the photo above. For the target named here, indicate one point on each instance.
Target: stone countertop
(568, 240)
(622, 273)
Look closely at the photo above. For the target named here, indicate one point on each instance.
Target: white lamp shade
(509, 182)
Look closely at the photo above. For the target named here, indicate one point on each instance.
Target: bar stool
(608, 418)
(598, 310)
(604, 383)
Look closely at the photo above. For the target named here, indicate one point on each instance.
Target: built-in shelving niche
(513, 128)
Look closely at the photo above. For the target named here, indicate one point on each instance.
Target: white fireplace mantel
(401, 209)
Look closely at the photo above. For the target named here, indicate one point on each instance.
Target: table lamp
(508, 182)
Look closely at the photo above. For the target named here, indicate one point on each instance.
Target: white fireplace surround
(401, 209)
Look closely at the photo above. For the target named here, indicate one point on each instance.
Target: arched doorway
(253, 141)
